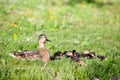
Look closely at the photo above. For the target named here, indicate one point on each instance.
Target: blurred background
(70, 24)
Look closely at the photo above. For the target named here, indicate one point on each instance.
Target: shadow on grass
(97, 3)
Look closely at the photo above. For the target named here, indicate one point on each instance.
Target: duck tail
(12, 55)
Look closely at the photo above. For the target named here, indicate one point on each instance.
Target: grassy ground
(70, 24)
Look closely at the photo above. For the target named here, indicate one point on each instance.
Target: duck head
(43, 38)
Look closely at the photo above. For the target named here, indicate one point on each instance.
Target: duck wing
(29, 54)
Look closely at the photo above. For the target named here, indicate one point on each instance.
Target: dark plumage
(57, 55)
(88, 54)
(74, 56)
(68, 54)
(71, 54)
(101, 57)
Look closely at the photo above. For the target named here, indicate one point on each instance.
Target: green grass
(74, 24)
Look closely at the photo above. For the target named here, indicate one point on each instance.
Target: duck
(80, 62)
(57, 55)
(88, 54)
(74, 56)
(69, 54)
(101, 57)
(42, 53)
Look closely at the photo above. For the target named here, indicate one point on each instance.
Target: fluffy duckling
(70, 54)
(88, 54)
(101, 57)
(57, 55)
(42, 53)
(80, 62)
(73, 55)
(76, 54)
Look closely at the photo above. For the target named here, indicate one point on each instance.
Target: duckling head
(43, 38)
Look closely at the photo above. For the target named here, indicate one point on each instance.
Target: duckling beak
(48, 40)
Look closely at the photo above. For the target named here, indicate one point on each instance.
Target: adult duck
(42, 54)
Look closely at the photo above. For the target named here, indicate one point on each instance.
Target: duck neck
(41, 45)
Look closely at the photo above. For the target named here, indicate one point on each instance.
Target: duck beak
(48, 40)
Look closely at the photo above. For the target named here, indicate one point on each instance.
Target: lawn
(70, 24)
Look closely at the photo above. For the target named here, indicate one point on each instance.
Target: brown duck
(41, 54)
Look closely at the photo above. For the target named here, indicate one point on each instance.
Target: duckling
(57, 55)
(76, 57)
(80, 62)
(41, 54)
(72, 54)
(101, 57)
(76, 54)
(68, 54)
(88, 54)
